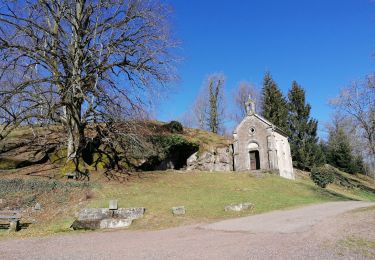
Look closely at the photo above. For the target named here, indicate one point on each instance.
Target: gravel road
(312, 232)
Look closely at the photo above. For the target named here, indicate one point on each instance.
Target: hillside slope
(162, 148)
(204, 194)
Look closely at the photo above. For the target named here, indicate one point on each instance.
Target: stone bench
(10, 219)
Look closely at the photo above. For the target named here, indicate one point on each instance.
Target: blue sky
(323, 44)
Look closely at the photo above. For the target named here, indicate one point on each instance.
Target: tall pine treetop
(297, 103)
(302, 130)
(274, 104)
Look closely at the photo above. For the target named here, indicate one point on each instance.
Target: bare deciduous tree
(79, 62)
(207, 111)
(357, 102)
(241, 97)
(200, 109)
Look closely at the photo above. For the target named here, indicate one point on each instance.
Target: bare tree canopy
(208, 110)
(241, 97)
(76, 62)
(357, 102)
(200, 110)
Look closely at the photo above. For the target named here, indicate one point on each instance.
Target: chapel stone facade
(260, 145)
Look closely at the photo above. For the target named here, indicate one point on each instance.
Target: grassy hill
(204, 194)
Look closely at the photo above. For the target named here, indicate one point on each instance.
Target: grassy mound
(206, 194)
(203, 194)
(207, 141)
(162, 142)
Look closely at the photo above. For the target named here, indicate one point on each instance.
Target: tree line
(292, 114)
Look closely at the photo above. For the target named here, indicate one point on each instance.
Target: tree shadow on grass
(328, 193)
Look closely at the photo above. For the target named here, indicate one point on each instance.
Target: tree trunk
(75, 132)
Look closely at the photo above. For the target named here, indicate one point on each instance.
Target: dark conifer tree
(274, 103)
(340, 154)
(358, 165)
(305, 149)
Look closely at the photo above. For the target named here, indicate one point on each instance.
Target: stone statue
(250, 106)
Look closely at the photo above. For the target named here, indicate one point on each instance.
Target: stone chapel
(260, 145)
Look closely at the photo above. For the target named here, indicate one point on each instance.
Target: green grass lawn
(353, 193)
(205, 195)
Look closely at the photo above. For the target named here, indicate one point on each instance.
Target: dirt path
(313, 232)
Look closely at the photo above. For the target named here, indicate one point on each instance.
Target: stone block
(37, 206)
(86, 224)
(93, 214)
(94, 218)
(113, 205)
(239, 207)
(130, 213)
(14, 225)
(115, 223)
(178, 211)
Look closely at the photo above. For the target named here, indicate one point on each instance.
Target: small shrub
(322, 176)
(166, 145)
(175, 127)
(170, 147)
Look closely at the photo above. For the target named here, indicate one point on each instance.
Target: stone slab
(94, 214)
(94, 218)
(178, 211)
(130, 213)
(115, 223)
(86, 224)
(113, 205)
(239, 207)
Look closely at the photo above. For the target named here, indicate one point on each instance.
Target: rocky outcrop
(11, 160)
(218, 159)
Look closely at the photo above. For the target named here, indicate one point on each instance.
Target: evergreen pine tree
(274, 104)
(358, 164)
(306, 151)
(340, 153)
